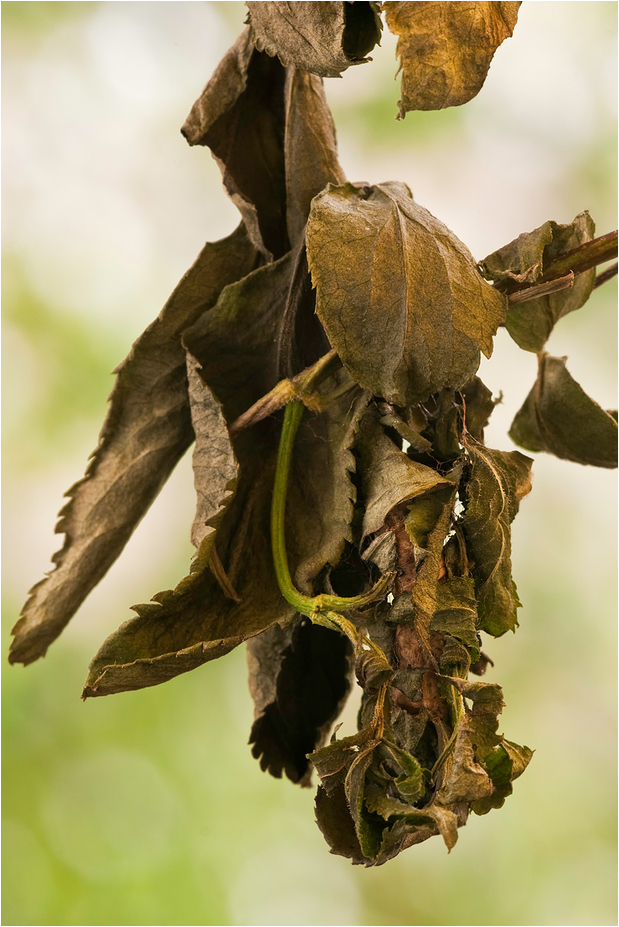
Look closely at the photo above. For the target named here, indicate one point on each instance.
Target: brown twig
(541, 289)
(605, 276)
(565, 268)
(584, 257)
(297, 387)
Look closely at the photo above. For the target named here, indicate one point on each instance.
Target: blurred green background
(147, 808)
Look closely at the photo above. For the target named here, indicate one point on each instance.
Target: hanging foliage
(350, 519)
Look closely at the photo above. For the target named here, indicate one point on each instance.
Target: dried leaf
(147, 429)
(429, 521)
(299, 678)
(558, 417)
(523, 261)
(336, 824)
(478, 406)
(310, 147)
(465, 779)
(388, 476)
(324, 38)
(272, 133)
(498, 480)
(445, 49)
(214, 466)
(382, 264)
(455, 610)
(369, 831)
(240, 116)
(482, 721)
(321, 494)
(237, 359)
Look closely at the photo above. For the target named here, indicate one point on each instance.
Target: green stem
(321, 609)
(305, 605)
(292, 420)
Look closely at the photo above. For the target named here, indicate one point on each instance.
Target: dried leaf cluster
(368, 532)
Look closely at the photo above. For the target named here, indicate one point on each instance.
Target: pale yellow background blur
(147, 808)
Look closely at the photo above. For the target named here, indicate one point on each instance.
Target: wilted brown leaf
(388, 476)
(399, 295)
(324, 38)
(271, 131)
(558, 417)
(147, 429)
(523, 262)
(240, 116)
(237, 360)
(498, 481)
(445, 49)
(299, 679)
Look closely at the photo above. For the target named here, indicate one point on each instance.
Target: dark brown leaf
(310, 147)
(336, 824)
(236, 352)
(299, 679)
(399, 295)
(523, 261)
(321, 494)
(445, 49)
(240, 116)
(558, 417)
(272, 133)
(147, 429)
(324, 38)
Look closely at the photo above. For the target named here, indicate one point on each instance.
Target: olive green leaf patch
(497, 482)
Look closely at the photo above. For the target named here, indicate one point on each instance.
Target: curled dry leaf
(400, 297)
(237, 362)
(559, 418)
(497, 482)
(324, 38)
(445, 49)
(376, 800)
(522, 263)
(272, 133)
(388, 476)
(299, 679)
(240, 116)
(147, 430)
